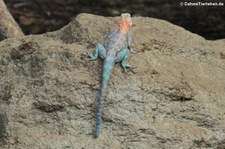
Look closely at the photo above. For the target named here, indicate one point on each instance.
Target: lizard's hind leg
(122, 57)
(99, 51)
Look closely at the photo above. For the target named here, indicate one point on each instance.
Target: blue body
(115, 49)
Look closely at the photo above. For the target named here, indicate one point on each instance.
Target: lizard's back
(116, 41)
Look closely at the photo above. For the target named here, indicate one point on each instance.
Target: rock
(175, 97)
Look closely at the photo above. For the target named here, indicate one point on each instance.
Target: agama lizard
(115, 49)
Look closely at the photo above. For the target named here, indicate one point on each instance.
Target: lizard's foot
(128, 66)
(88, 56)
(125, 66)
(91, 56)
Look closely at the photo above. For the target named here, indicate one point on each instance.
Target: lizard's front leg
(99, 51)
(122, 57)
(129, 41)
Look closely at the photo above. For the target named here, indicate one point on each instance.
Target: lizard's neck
(123, 30)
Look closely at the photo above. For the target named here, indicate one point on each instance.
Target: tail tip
(97, 129)
(96, 134)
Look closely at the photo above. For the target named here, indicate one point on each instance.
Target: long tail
(107, 71)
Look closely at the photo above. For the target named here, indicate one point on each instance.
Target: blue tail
(98, 125)
(97, 129)
(107, 71)
(99, 114)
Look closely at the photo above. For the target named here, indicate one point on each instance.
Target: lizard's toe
(130, 67)
(91, 57)
(132, 51)
(126, 66)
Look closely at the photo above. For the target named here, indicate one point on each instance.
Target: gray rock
(175, 97)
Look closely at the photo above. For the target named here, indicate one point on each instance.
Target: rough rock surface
(175, 97)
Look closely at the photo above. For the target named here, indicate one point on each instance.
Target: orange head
(125, 22)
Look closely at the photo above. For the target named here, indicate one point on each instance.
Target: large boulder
(174, 98)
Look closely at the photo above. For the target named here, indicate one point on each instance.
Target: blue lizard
(115, 49)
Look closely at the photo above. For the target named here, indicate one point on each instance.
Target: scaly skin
(115, 49)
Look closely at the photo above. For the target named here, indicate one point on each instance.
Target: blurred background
(40, 16)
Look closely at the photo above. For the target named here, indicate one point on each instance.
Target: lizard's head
(125, 22)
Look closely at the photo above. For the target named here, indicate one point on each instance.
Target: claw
(126, 65)
(130, 67)
(90, 56)
(85, 55)
(131, 50)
